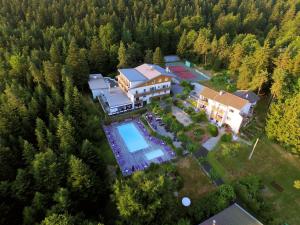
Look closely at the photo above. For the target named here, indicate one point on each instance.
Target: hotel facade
(222, 108)
(135, 87)
(144, 82)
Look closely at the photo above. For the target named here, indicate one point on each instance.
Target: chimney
(221, 92)
(247, 95)
(167, 69)
(214, 222)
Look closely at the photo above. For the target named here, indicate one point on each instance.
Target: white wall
(231, 116)
(140, 90)
(96, 92)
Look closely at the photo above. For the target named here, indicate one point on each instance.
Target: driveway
(181, 116)
(213, 141)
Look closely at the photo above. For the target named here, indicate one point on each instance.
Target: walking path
(206, 167)
(213, 141)
(181, 116)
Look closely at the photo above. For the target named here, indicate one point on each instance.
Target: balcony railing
(203, 102)
(152, 92)
(123, 83)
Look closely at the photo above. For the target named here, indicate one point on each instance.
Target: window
(231, 110)
(136, 92)
(144, 90)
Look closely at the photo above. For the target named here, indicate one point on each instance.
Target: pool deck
(130, 162)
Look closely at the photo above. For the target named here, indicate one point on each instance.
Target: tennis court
(184, 72)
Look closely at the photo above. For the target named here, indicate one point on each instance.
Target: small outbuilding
(233, 215)
(248, 95)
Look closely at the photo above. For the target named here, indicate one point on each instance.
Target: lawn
(220, 81)
(195, 182)
(271, 163)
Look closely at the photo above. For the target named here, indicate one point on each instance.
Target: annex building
(222, 108)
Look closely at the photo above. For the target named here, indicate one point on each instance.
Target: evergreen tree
(97, 56)
(122, 56)
(158, 57)
(202, 43)
(65, 134)
(236, 58)
(148, 56)
(182, 45)
(77, 64)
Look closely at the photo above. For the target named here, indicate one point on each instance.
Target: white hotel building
(144, 82)
(222, 108)
(135, 88)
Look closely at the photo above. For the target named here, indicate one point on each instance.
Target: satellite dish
(186, 201)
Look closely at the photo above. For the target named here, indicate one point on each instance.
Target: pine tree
(52, 74)
(182, 45)
(258, 80)
(148, 56)
(65, 134)
(77, 64)
(40, 133)
(202, 44)
(122, 56)
(55, 53)
(158, 57)
(236, 58)
(97, 56)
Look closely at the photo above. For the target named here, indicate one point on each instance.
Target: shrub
(213, 130)
(198, 132)
(189, 110)
(199, 117)
(226, 137)
(230, 149)
(213, 174)
(191, 147)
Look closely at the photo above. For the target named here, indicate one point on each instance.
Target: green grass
(220, 81)
(195, 182)
(270, 163)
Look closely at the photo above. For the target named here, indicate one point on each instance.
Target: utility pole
(250, 156)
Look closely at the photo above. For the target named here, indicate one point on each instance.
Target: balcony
(203, 102)
(152, 92)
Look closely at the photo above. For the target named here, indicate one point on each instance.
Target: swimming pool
(154, 154)
(132, 137)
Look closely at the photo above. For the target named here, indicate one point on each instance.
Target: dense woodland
(52, 168)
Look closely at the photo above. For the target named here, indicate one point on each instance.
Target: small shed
(171, 58)
(248, 95)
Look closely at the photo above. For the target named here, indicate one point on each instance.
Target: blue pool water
(154, 154)
(133, 139)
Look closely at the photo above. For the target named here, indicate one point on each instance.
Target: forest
(52, 168)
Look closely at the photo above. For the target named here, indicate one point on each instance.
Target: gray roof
(132, 74)
(233, 215)
(116, 97)
(171, 58)
(248, 95)
(97, 81)
(197, 89)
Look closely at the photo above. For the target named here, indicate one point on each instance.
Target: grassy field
(270, 162)
(195, 182)
(220, 81)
